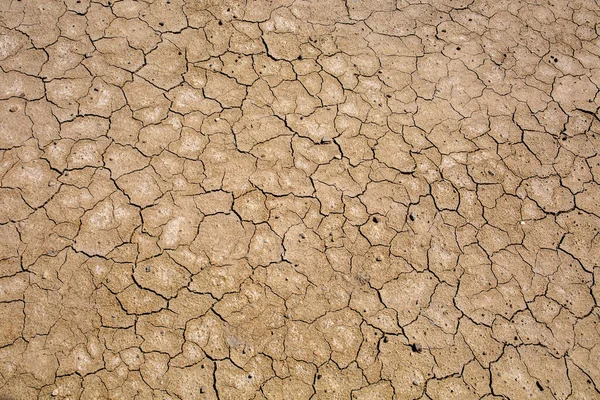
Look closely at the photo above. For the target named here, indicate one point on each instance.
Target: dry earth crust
(298, 199)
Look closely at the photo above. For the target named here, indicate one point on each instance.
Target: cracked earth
(294, 199)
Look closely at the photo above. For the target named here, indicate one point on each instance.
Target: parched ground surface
(299, 199)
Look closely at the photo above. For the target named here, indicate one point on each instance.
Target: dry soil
(298, 199)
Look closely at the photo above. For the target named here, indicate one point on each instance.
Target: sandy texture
(296, 199)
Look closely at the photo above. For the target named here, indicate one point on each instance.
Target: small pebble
(326, 139)
(416, 347)
(412, 216)
(148, 268)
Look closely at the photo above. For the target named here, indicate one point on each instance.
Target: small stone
(416, 347)
(326, 139)
(412, 216)
(55, 392)
(148, 268)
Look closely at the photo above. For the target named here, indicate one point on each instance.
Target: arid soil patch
(299, 199)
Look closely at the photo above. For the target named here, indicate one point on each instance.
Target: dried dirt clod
(416, 347)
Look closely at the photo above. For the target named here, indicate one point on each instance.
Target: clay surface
(296, 199)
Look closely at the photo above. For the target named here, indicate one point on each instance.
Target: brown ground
(299, 199)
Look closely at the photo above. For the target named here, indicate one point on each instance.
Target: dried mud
(299, 199)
